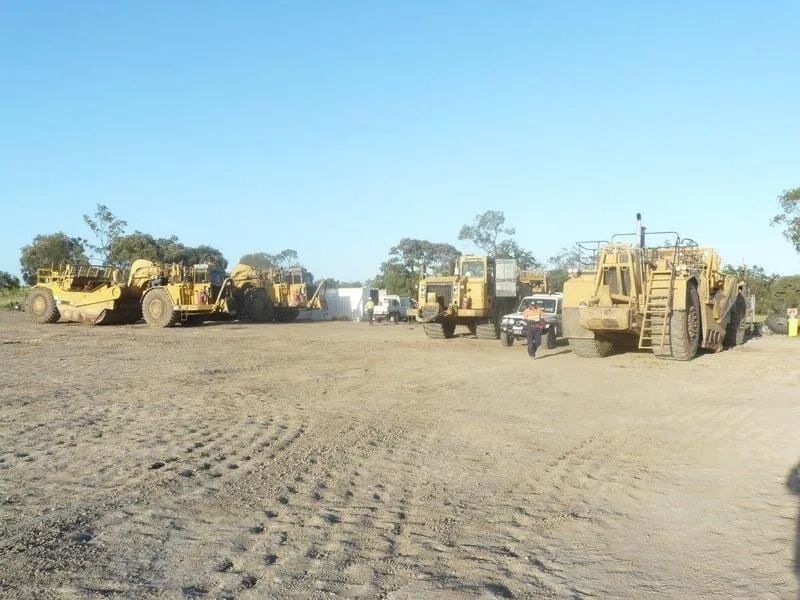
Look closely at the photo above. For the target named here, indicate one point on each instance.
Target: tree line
(112, 246)
(399, 274)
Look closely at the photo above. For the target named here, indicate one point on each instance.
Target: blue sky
(337, 128)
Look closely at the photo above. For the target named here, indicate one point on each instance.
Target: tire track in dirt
(604, 479)
(308, 507)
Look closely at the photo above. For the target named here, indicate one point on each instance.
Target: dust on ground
(322, 459)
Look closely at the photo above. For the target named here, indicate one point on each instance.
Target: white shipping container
(346, 303)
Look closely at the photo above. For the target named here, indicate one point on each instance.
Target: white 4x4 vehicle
(513, 326)
(392, 308)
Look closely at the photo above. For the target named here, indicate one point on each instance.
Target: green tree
(258, 260)
(286, 258)
(395, 278)
(50, 250)
(416, 255)
(558, 267)
(106, 228)
(485, 230)
(789, 216)
(207, 254)
(8, 281)
(400, 274)
(171, 250)
(758, 281)
(524, 258)
(785, 294)
(335, 283)
(124, 249)
(263, 260)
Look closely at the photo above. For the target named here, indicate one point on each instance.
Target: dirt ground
(337, 459)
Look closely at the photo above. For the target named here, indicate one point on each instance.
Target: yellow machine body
(289, 291)
(480, 291)
(175, 293)
(82, 294)
(672, 300)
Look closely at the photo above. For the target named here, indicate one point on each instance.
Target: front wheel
(550, 341)
(41, 306)
(591, 348)
(158, 310)
(506, 339)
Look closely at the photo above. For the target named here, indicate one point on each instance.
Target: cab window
(472, 268)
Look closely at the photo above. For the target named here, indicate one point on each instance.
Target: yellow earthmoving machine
(176, 293)
(291, 293)
(84, 294)
(533, 282)
(251, 293)
(477, 295)
(671, 299)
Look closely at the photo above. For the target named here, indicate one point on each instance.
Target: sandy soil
(322, 459)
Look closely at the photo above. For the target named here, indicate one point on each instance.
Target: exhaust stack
(640, 230)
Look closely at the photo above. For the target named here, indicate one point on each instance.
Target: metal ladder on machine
(658, 306)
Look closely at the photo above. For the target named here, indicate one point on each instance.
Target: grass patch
(11, 298)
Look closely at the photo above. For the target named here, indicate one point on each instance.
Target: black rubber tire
(41, 306)
(473, 328)
(158, 310)
(549, 339)
(591, 348)
(439, 331)
(683, 330)
(777, 324)
(506, 339)
(257, 305)
(734, 332)
(487, 331)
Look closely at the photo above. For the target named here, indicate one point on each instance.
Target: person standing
(369, 307)
(533, 315)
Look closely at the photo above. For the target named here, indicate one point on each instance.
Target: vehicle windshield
(472, 268)
(548, 305)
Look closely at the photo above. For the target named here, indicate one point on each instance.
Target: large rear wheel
(591, 348)
(41, 306)
(734, 332)
(257, 305)
(683, 330)
(158, 310)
